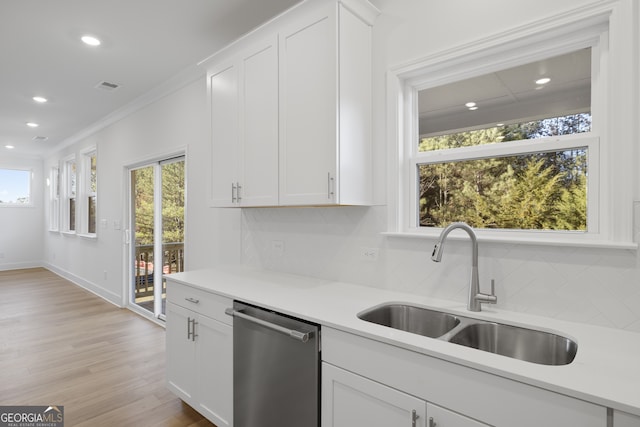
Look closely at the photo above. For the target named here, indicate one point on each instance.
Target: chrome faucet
(476, 298)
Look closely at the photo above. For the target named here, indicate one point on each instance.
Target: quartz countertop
(605, 371)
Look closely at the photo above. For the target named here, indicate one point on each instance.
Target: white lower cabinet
(349, 400)
(199, 341)
(364, 379)
(441, 417)
(623, 419)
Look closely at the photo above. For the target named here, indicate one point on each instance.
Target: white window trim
(54, 198)
(31, 203)
(84, 177)
(64, 196)
(613, 109)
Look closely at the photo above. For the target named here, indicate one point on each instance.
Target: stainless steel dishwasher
(276, 369)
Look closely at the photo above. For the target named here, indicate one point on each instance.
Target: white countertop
(605, 371)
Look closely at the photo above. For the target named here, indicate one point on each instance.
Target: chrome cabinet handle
(414, 418)
(193, 329)
(330, 191)
(431, 422)
(193, 300)
(238, 194)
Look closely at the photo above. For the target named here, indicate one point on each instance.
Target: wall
(172, 124)
(591, 285)
(22, 228)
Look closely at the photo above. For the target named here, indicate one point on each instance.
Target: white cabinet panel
(441, 417)
(181, 354)
(223, 100)
(243, 93)
(200, 351)
(215, 370)
(350, 400)
(623, 419)
(308, 114)
(259, 126)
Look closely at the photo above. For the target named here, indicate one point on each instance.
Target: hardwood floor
(62, 345)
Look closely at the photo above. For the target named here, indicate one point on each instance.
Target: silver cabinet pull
(431, 422)
(233, 192)
(297, 335)
(330, 191)
(193, 329)
(238, 193)
(414, 418)
(193, 300)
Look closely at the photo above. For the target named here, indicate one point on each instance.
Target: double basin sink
(530, 345)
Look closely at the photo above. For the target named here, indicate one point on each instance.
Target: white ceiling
(145, 43)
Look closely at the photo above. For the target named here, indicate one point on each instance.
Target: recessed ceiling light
(543, 81)
(90, 40)
(470, 104)
(32, 125)
(9, 147)
(473, 108)
(40, 99)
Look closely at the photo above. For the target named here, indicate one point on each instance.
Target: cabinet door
(215, 370)
(350, 400)
(223, 100)
(441, 417)
(623, 419)
(181, 375)
(308, 111)
(259, 125)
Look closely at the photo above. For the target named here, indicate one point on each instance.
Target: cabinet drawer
(199, 301)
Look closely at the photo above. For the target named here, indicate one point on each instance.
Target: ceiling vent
(40, 138)
(108, 86)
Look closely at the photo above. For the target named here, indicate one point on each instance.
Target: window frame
(53, 183)
(592, 26)
(30, 204)
(86, 193)
(66, 213)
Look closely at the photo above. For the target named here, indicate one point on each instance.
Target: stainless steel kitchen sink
(519, 343)
(417, 320)
(544, 348)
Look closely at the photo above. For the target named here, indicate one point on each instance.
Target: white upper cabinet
(325, 108)
(243, 94)
(291, 110)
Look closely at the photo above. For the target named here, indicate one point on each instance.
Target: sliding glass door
(157, 237)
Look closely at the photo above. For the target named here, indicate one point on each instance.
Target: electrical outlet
(369, 254)
(104, 273)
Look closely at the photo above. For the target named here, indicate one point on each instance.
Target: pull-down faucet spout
(476, 298)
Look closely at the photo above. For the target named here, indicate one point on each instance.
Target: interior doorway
(157, 206)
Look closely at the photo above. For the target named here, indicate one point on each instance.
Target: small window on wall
(90, 192)
(70, 188)
(54, 199)
(15, 187)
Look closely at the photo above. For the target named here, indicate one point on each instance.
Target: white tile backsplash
(588, 285)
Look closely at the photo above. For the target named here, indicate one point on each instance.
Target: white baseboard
(103, 293)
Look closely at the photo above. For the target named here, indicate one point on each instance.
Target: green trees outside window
(536, 191)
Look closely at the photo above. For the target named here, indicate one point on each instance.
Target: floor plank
(62, 345)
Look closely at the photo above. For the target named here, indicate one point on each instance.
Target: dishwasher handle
(297, 335)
